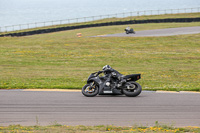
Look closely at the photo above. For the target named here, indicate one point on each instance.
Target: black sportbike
(112, 83)
(128, 31)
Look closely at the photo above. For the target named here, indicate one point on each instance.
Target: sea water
(13, 12)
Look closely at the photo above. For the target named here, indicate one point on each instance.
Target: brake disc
(130, 87)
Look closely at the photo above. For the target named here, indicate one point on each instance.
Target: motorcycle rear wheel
(90, 91)
(133, 92)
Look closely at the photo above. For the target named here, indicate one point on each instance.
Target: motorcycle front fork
(92, 85)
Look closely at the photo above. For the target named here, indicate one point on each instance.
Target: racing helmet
(106, 67)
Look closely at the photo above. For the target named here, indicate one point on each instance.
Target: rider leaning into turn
(108, 70)
(128, 28)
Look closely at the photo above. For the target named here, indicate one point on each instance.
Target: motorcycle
(111, 85)
(129, 31)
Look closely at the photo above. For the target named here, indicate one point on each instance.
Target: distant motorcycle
(109, 84)
(128, 31)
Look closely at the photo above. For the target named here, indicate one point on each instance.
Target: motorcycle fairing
(101, 85)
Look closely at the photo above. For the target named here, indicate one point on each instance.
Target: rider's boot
(121, 82)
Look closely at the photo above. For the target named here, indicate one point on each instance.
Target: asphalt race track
(72, 108)
(159, 32)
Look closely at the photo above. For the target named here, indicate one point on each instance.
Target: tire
(90, 94)
(135, 92)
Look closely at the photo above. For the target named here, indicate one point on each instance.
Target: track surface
(159, 32)
(72, 108)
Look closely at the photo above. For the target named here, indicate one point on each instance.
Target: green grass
(62, 60)
(57, 128)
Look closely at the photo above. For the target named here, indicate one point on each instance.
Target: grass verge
(62, 60)
(114, 19)
(100, 128)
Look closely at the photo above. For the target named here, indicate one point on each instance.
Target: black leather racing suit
(115, 75)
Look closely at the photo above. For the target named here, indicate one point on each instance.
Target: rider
(128, 28)
(108, 70)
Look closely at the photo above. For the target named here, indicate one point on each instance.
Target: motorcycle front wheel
(90, 91)
(134, 91)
